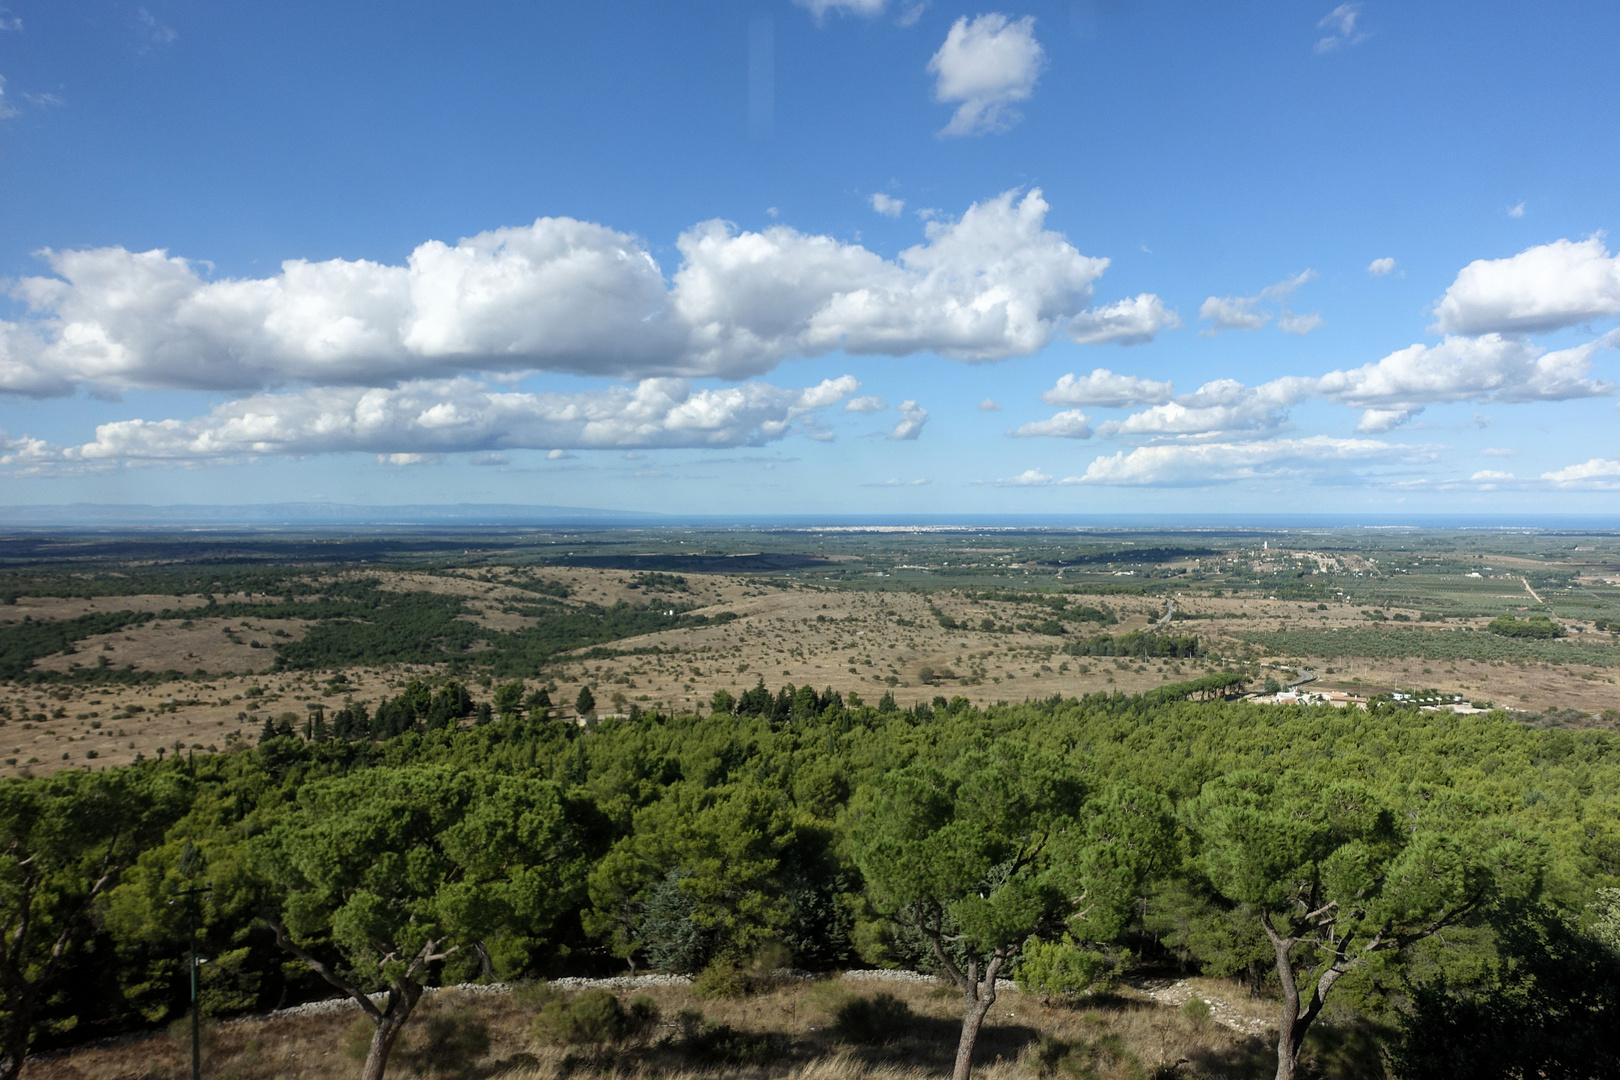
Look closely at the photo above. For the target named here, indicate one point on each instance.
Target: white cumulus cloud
(1486, 368)
(1598, 473)
(887, 205)
(559, 295)
(26, 455)
(1542, 288)
(1221, 405)
(1069, 424)
(866, 404)
(912, 419)
(1233, 313)
(1035, 478)
(1380, 267)
(989, 405)
(991, 285)
(986, 64)
(1127, 322)
(1106, 389)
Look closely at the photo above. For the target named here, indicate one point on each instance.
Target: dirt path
(1169, 613)
(1176, 994)
(1526, 583)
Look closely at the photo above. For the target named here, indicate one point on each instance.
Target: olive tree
(1333, 878)
(964, 856)
(374, 879)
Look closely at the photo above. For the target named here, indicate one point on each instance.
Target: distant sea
(272, 516)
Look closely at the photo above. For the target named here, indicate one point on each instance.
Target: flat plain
(115, 649)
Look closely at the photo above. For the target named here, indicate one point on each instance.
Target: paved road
(1169, 612)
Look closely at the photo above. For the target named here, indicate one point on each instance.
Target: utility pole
(190, 895)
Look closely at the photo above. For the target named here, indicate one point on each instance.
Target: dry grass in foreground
(806, 1031)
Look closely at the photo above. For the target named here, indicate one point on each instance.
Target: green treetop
(1331, 880)
(376, 878)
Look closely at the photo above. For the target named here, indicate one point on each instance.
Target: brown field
(864, 642)
(1122, 1034)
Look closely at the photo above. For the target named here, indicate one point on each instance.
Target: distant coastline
(271, 516)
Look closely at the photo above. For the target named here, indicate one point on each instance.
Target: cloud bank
(452, 416)
(559, 295)
(1197, 464)
(1390, 392)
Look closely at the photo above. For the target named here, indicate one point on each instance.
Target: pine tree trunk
(387, 1030)
(1287, 1052)
(14, 1037)
(382, 1041)
(977, 997)
(972, 1020)
(13, 1053)
(1289, 1030)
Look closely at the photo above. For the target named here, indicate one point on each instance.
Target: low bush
(1063, 967)
(594, 1018)
(722, 981)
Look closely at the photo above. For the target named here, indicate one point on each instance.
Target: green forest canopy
(729, 831)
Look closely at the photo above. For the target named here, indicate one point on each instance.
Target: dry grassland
(864, 642)
(1105, 1036)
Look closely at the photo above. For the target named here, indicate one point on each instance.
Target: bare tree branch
(284, 939)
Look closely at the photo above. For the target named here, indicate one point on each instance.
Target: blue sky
(778, 257)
